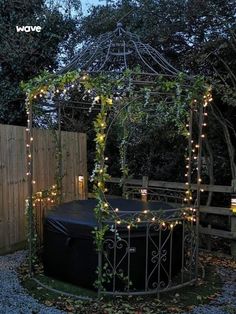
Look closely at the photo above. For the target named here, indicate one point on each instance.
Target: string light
(101, 138)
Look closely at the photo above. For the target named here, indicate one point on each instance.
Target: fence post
(233, 241)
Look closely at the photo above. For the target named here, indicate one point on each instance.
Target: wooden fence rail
(13, 187)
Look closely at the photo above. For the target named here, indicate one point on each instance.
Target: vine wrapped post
(100, 177)
(30, 203)
(59, 154)
(199, 168)
(189, 158)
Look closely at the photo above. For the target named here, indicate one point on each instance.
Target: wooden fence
(13, 179)
(172, 191)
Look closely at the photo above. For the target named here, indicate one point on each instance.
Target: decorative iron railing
(149, 257)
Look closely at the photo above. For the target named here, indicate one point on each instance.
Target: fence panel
(13, 179)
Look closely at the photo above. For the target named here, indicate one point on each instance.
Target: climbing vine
(167, 100)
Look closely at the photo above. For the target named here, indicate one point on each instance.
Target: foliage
(24, 55)
(208, 289)
(103, 87)
(197, 37)
(48, 82)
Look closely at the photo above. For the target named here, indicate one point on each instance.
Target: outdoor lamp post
(80, 187)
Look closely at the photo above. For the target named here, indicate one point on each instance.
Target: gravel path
(226, 302)
(13, 298)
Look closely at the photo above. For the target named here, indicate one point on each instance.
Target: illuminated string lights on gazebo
(110, 55)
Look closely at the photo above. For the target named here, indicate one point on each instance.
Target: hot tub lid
(77, 218)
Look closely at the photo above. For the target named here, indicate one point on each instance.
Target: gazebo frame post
(30, 205)
(199, 170)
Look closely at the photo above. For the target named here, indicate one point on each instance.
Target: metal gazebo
(112, 53)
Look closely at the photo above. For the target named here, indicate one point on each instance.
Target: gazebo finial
(119, 25)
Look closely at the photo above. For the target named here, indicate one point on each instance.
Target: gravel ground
(226, 302)
(15, 300)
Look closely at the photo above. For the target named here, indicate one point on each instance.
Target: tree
(24, 55)
(198, 37)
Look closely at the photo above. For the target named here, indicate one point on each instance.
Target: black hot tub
(70, 254)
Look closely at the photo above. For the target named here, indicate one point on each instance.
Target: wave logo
(28, 29)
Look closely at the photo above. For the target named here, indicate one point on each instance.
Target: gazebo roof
(113, 52)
